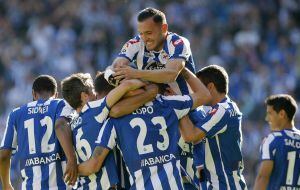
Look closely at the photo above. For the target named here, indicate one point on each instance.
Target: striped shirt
(283, 148)
(175, 47)
(30, 131)
(223, 155)
(146, 140)
(85, 129)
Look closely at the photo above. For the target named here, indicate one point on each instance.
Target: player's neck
(217, 98)
(287, 125)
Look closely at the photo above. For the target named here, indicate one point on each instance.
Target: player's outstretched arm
(93, 164)
(201, 94)
(117, 93)
(5, 157)
(64, 134)
(165, 75)
(263, 176)
(129, 104)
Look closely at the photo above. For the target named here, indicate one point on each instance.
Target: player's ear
(282, 114)
(164, 28)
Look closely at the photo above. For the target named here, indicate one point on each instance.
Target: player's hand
(70, 175)
(125, 72)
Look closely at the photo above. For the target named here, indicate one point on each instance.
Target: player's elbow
(4, 155)
(115, 112)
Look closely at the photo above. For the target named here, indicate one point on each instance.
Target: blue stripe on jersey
(178, 47)
(45, 175)
(218, 165)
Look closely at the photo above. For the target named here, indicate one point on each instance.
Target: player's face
(153, 34)
(272, 117)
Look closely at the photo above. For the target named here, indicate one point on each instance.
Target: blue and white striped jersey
(175, 46)
(85, 129)
(146, 140)
(30, 131)
(223, 155)
(283, 148)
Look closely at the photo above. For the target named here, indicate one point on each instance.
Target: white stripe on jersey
(32, 104)
(37, 177)
(189, 167)
(236, 180)
(92, 183)
(265, 147)
(177, 98)
(104, 181)
(112, 139)
(210, 165)
(101, 117)
(171, 179)
(52, 176)
(96, 103)
(225, 175)
(181, 113)
(155, 179)
(214, 119)
(139, 180)
(25, 177)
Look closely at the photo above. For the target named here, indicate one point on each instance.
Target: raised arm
(165, 75)
(64, 134)
(263, 177)
(5, 157)
(129, 104)
(201, 94)
(117, 93)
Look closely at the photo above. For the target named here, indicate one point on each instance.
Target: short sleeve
(180, 104)
(9, 140)
(107, 135)
(181, 48)
(267, 148)
(130, 48)
(214, 122)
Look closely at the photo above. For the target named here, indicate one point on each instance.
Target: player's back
(148, 140)
(85, 129)
(284, 147)
(31, 131)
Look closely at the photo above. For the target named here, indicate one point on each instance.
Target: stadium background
(257, 41)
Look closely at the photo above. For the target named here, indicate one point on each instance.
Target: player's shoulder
(176, 39)
(272, 137)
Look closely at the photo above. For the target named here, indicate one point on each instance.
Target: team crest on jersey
(213, 111)
(177, 42)
(155, 66)
(164, 55)
(133, 41)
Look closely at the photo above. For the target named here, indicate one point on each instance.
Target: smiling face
(153, 34)
(273, 118)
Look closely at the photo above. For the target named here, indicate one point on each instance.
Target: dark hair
(157, 15)
(44, 83)
(101, 84)
(215, 74)
(73, 86)
(283, 102)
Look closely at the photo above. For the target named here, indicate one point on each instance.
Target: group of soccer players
(148, 122)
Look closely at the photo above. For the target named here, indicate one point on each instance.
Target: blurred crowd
(257, 41)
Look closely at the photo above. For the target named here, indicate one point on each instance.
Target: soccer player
(159, 56)
(148, 139)
(156, 52)
(222, 129)
(78, 90)
(30, 131)
(280, 150)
